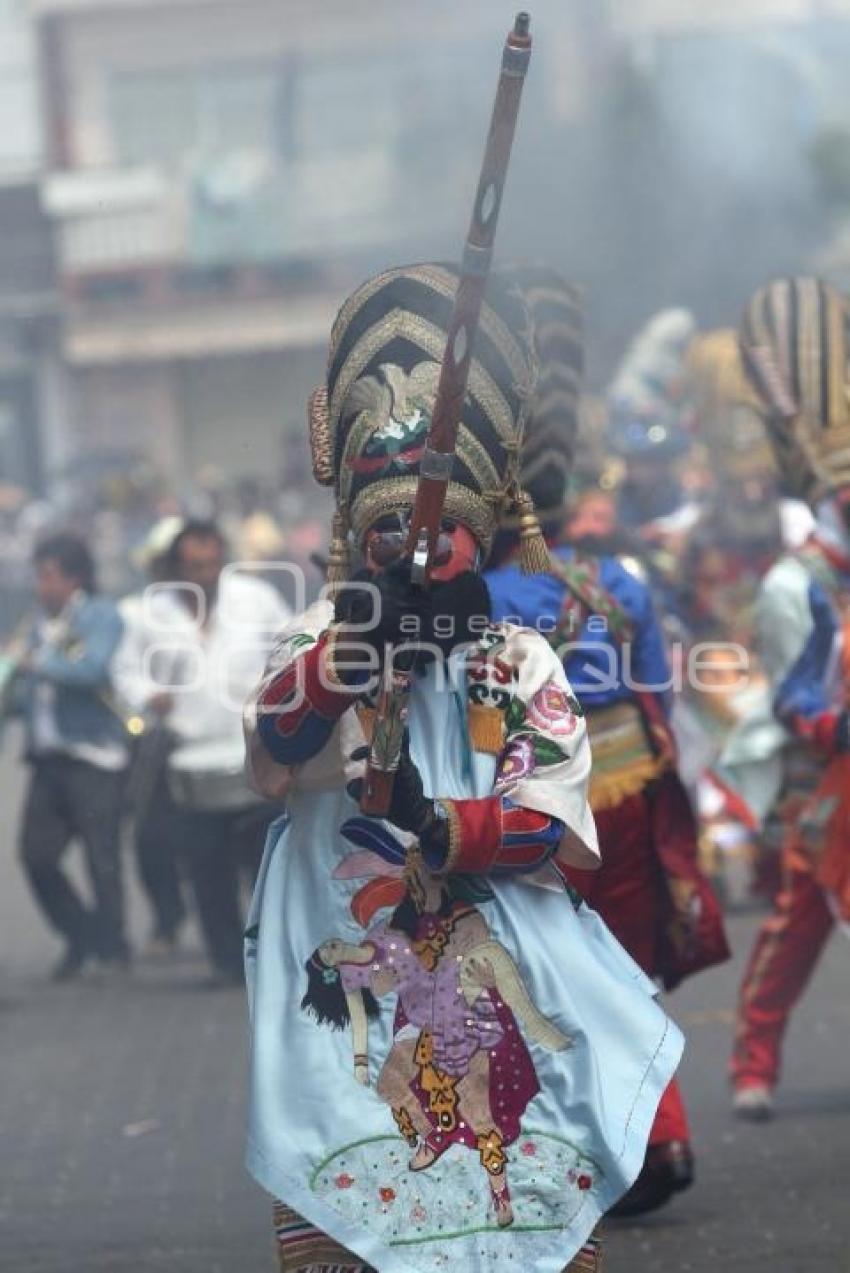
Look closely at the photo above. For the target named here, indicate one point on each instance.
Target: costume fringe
(609, 790)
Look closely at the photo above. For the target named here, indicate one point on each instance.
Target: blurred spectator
(256, 537)
(148, 621)
(212, 631)
(76, 747)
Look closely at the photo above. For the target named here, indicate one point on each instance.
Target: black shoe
(71, 965)
(668, 1169)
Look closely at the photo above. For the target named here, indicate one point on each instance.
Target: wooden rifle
(437, 460)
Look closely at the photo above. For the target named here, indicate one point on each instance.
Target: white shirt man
(195, 647)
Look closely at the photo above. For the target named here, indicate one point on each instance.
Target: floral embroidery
(554, 711)
(387, 1194)
(546, 750)
(516, 762)
(448, 1197)
(533, 729)
(581, 1179)
(344, 1181)
(529, 1149)
(515, 717)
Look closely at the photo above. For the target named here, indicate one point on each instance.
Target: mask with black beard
(456, 612)
(443, 617)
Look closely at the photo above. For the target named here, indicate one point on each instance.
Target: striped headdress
(794, 343)
(548, 450)
(369, 421)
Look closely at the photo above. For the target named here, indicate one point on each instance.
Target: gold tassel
(534, 556)
(339, 561)
(486, 729)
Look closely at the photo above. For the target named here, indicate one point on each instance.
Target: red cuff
(309, 685)
(475, 834)
(826, 732)
(821, 731)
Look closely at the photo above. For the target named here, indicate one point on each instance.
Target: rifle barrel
(435, 469)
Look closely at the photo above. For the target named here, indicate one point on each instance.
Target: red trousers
(627, 892)
(787, 949)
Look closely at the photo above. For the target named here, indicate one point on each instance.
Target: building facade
(27, 280)
(219, 174)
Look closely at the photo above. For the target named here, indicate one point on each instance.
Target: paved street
(121, 1112)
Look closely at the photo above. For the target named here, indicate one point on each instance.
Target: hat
(794, 345)
(548, 450)
(645, 400)
(728, 413)
(370, 420)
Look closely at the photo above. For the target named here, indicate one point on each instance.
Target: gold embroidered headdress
(369, 421)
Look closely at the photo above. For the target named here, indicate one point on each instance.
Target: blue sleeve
(803, 692)
(100, 630)
(650, 668)
(518, 597)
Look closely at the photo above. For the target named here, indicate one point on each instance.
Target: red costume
(795, 340)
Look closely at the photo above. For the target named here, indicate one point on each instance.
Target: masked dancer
(794, 341)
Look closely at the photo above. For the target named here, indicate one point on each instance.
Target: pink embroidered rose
(344, 1181)
(387, 1194)
(584, 1182)
(517, 761)
(552, 711)
(418, 1214)
(529, 1149)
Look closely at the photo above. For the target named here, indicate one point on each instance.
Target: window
(172, 117)
(300, 156)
